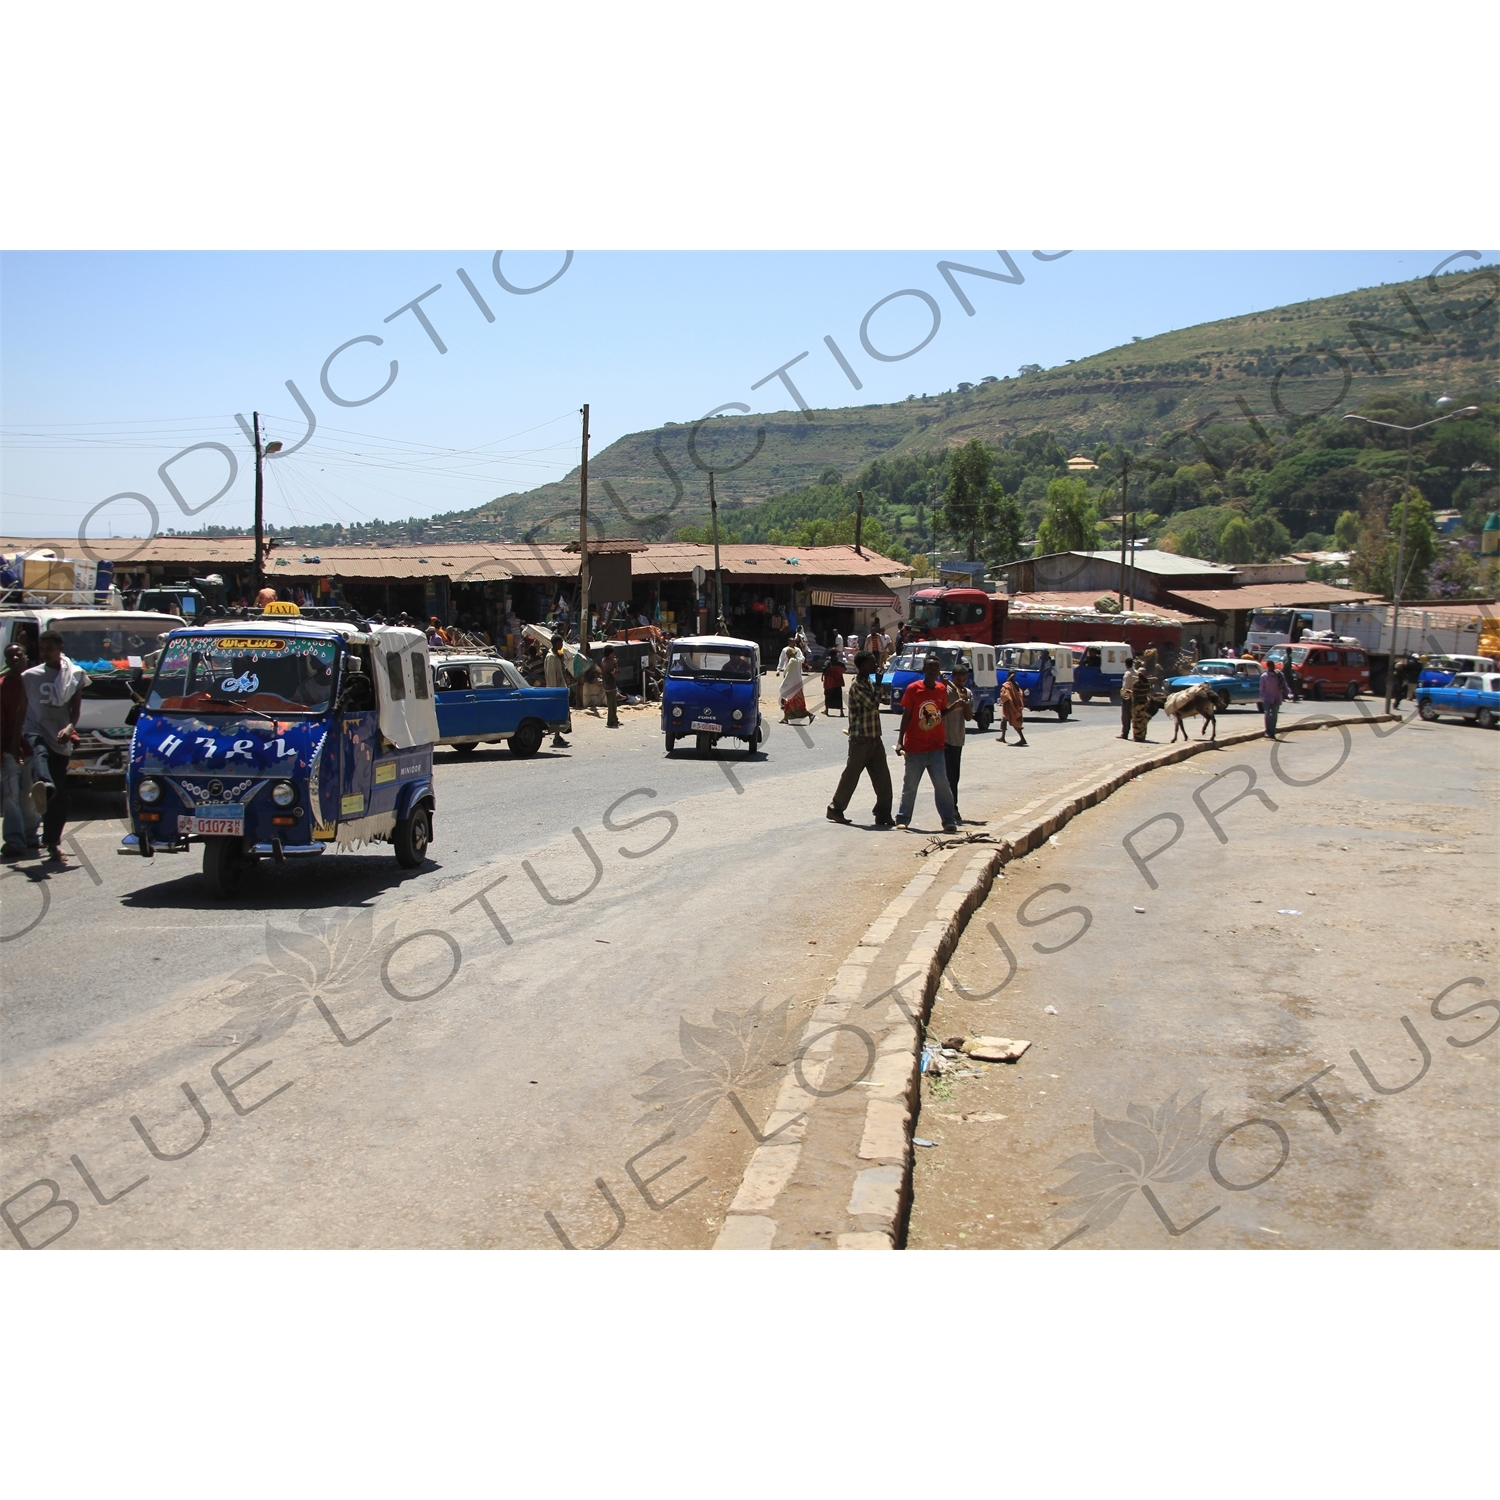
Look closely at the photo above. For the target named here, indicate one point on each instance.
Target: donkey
(1194, 700)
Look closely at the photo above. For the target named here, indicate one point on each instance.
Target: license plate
(209, 822)
(707, 728)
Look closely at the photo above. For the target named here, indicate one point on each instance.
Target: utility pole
(721, 625)
(583, 541)
(1124, 513)
(859, 521)
(260, 507)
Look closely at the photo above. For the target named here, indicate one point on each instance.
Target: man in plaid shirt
(866, 750)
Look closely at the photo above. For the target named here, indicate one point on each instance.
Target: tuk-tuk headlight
(677, 711)
(283, 794)
(739, 713)
(149, 790)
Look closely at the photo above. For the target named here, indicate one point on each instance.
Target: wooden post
(859, 520)
(720, 624)
(1124, 513)
(583, 540)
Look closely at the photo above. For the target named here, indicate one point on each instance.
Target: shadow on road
(344, 880)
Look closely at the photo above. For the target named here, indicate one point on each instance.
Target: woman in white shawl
(793, 704)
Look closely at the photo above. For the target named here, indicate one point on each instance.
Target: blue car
(1474, 697)
(484, 698)
(1234, 680)
(712, 692)
(1439, 671)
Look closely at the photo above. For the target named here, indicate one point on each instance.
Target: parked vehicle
(1327, 669)
(116, 648)
(712, 692)
(485, 698)
(978, 657)
(1099, 668)
(1439, 671)
(1375, 628)
(1044, 673)
(1474, 697)
(1234, 680)
(958, 614)
(277, 738)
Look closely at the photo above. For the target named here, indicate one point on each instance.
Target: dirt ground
(1339, 935)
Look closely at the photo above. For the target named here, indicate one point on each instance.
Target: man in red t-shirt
(921, 739)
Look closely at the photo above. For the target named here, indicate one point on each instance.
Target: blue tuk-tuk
(979, 658)
(712, 692)
(1099, 668)
(277, 736)
(1044, 673)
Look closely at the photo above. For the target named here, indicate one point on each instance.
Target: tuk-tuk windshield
(281, 675)
(1030, 660)
(722, 664)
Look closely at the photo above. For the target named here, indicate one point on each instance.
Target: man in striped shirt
(866, 749)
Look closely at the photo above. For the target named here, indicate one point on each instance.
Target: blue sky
(111, 363)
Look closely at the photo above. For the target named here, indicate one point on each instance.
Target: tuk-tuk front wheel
(984, 718)
(705, 743)
(223, 867)
(412, 837)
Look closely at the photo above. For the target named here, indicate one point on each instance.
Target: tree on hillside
(1374, 562)
(1003, 541)
(1235, 545)
(1346, 531)
(972, 498)
(1071, 524)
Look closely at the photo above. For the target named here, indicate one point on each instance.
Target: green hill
(1334, 353)
(1260, 373)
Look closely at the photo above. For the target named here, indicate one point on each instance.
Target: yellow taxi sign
(281, 607)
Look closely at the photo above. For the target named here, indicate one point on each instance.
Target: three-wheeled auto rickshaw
(277, 736)
(712, 692)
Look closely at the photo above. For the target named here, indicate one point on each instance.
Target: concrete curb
(880, 1187)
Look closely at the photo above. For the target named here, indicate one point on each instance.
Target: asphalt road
(447, 1056)
(1303, 979)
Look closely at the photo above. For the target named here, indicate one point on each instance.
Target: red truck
(958, 614)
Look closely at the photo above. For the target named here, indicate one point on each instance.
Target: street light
(1463, 411)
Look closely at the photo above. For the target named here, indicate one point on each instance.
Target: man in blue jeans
(1272, 694)
(922, 739)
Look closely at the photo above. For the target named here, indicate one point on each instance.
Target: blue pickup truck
(484, 698)
(1474, 697)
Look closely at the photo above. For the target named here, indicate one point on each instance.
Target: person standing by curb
(21, 819)
(833, 685)
(54, 701)
(1012, 709)
(1127, 694)
(609, 664)
(960, 707)
(866, 749)
(922, 740)
(1272, 694)
(555, 674)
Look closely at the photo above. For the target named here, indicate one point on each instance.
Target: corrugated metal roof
(229, 550)
(1162, 564)
(1271, 596)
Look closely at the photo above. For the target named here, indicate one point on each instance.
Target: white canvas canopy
(403, 686)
